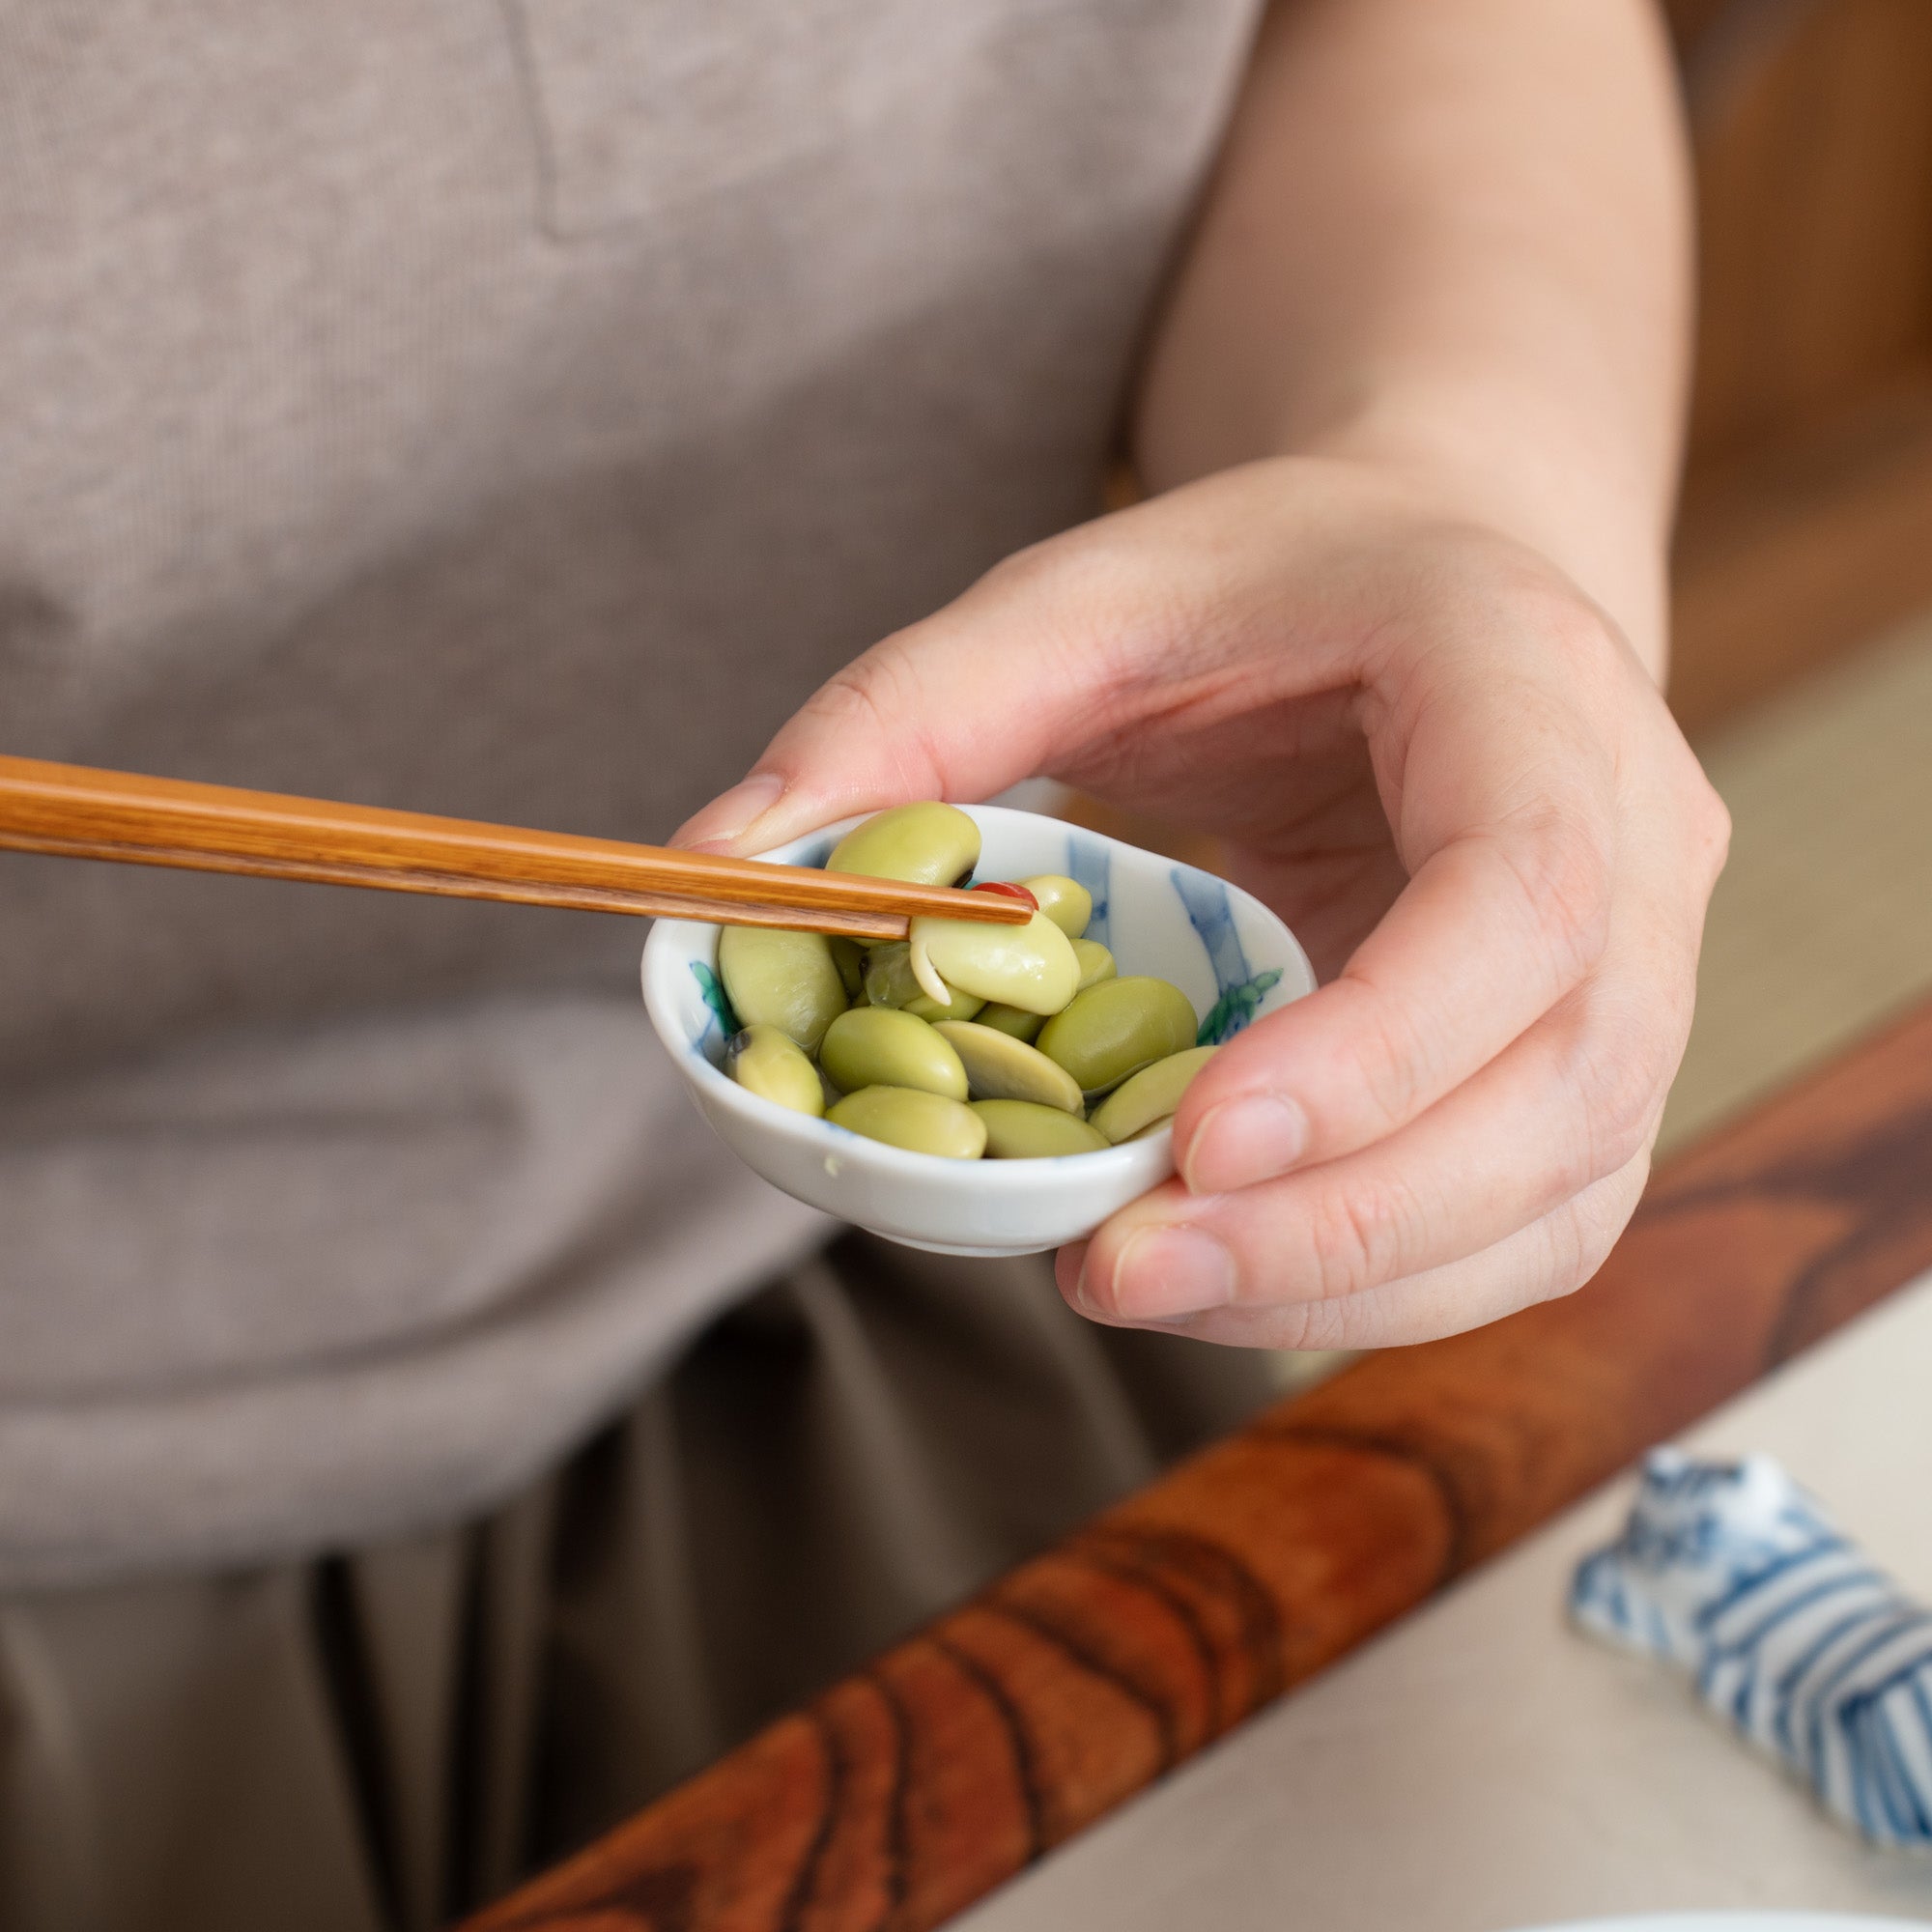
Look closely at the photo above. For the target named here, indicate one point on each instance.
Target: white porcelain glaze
(1232, 958)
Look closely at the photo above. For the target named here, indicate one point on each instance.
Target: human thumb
(957, 706)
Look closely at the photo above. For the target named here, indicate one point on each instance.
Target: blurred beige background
(1804, 563)
(1822, 925)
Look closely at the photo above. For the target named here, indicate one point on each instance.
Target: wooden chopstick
(75, 811)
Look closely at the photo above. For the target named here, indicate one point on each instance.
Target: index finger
(1503, 803)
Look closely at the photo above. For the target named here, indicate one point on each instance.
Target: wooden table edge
(944, 1766)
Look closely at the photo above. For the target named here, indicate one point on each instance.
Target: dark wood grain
(1814, 215)
(913, 1788)
(73, 811)
(1809, 484)
(1806, 547)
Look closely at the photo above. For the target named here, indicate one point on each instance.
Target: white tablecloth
(1481, 1767)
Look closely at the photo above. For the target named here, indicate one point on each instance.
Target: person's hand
(1445, 769)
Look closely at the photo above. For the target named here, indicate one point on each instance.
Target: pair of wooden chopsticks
(75, 812)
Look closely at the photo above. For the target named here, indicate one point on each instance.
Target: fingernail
(1167, 1271)
(1070, 1274)
(730, 816)
(1243, 1140)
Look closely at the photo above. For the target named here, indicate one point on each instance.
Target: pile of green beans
(963, 1039)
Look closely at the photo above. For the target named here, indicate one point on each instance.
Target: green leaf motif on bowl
(1235, 1008)
(715, 996)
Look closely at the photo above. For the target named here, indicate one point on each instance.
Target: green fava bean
(1066, 901)
(1020, 1130)
(772, 1065)
(890, 983)
(1030, 966)
(779, 977)
(849, 956)
(1000, 1068)
(1113, 1029)
(889, 980)
(1152, 1095)
(903, 1117)
(1097, 963)
(877, 1046)
(930, 844)
(960, 1006)
(1011, 1019)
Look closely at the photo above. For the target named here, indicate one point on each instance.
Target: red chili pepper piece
(1006, 889)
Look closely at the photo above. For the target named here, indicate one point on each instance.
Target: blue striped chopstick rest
(1735, 1576)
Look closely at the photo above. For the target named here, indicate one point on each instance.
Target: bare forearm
(1452, 234)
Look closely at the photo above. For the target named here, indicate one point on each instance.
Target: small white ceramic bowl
(1232, 956)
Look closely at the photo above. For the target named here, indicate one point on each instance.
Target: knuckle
(1299, 1326)
(1077, 602)
(1321, 1324)
(863, 692)
(1388, 1062)
(1076, 571)
(1703, 820)
(876, 698)
(1593, 1223)
(1568, 1272)
(1619, 1137)
(1476, 571)
(1029, 571)
(1710, 829)
(1562, 866)
(1622, 1074)
(1359, 1235)
(1568, 623)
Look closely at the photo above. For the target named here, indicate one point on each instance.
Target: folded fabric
(1733, 1574)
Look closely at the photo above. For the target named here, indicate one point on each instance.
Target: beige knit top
(510, 408)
